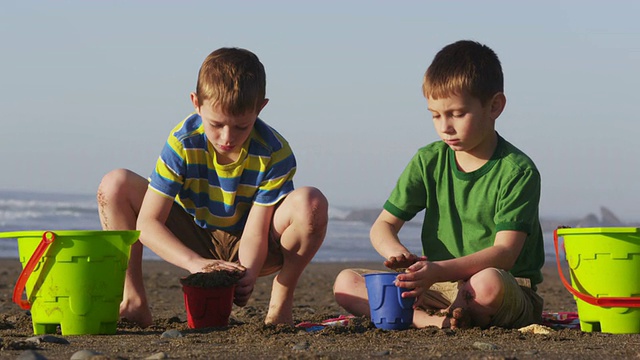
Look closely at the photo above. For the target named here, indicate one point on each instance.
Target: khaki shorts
(218, 244)
(521, 305)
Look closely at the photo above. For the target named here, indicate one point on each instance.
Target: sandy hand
(219, 265)
(402, 261)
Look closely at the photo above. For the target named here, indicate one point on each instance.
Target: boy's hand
(221, 265)
(244, 288)
(402, 261)
(417, 277)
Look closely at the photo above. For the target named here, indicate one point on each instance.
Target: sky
(90, 86)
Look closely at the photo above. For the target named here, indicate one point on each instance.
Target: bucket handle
(628, 302)
(47, 238)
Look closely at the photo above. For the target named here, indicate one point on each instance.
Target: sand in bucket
(604, 266)
(73, 279)
(389, 311)
(208, 298)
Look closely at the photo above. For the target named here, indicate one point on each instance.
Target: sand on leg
(119, 197)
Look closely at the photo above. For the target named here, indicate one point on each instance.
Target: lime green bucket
(72, 278)
(604, 266)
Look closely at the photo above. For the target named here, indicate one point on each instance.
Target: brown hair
(464, 66)
(233, 79)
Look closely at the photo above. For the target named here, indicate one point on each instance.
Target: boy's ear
(264, 103)
(194, 101)
(498, 102)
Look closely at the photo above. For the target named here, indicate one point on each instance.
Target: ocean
(346, 241)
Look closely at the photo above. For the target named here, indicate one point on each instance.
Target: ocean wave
(338, 214)
(347, 235)
(14, 210)
(37, 203)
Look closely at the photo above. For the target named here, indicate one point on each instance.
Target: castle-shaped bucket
(604, 267)
(389, 310)
(73, 278)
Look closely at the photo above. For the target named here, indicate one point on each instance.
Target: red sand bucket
(208, 306)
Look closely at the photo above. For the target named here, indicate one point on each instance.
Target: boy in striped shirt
(221, 196)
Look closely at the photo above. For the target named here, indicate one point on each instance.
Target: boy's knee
(346, 282)
(487, 286)
(313, 198)
(112, 182)
(312, 206)
(121, 185)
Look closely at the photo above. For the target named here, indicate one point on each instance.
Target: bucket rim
(598, 230)
(75, 233)
(381, 273)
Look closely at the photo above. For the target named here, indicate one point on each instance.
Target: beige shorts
(218, 244)
(521, 305)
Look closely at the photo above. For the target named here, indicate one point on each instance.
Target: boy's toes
(460, 319)
(277, 315)
(142, 322)
(141, 317)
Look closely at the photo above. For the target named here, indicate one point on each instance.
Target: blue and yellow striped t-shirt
(220, 196)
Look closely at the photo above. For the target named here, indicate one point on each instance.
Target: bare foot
(460, 319)
(272, 320)
(278, 316)
(140, 315)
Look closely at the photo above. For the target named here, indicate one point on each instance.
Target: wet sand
(247, 337)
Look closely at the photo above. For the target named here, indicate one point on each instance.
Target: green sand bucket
(72, 278)
(604, 265)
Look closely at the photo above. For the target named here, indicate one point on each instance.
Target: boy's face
(226, 133)
(464, 124)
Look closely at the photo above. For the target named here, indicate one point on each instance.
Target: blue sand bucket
(389, 311)
(74, 279)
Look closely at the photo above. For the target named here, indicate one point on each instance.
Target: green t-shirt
(464, 211)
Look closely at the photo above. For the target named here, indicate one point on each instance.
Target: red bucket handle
(47, 238)
(628, 302)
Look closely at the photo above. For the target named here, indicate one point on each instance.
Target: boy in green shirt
(481, 235)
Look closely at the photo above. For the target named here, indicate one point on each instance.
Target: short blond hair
(464, 67)
(233, 79)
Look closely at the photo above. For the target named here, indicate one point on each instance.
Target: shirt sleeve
(518, 204)
(168, 175)
(278, 181)
(409, 196)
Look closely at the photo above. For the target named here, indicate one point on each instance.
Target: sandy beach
(247, 337)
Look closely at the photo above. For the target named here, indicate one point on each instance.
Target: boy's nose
(445, 126)
(225, 134)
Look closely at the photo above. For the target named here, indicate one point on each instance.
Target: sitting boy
(481, 236)
(221, 196)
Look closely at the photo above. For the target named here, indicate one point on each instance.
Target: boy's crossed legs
(300, 223)
(492, 297)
